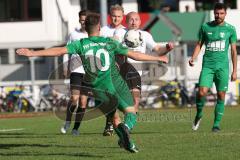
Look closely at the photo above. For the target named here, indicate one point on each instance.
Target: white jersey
(146, 47)
(147, 43)
(108, 31)
(75, 62)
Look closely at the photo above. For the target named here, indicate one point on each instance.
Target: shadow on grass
(10, 146)
(81, 133)
(24, 135)
(40, 135)
(52, 135)
(143, 132)
(25, 154)
(9, 134)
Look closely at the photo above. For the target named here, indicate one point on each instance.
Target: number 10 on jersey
(95, 60)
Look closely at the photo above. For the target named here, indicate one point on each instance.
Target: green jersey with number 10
(217, 39)
(98, 58)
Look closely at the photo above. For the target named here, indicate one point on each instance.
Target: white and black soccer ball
(133, 38)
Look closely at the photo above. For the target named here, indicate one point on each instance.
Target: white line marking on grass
(10, 130)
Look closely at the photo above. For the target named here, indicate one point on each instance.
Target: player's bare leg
(72, 104)
(136, 97)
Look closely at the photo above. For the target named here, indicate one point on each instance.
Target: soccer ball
(133, 38)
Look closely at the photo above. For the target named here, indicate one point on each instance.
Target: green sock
(219, 109)
(130, 120)
(200, 102)
(120, 132)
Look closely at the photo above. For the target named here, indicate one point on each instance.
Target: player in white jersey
(129, 73)
(74, 66)
(116, 15)
(133, 21)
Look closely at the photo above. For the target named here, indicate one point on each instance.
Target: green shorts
(123, 94)
(219, 76)
(115, 95)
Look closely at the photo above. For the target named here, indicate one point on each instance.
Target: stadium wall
(59, 17)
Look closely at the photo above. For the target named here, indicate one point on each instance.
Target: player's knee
(221, 96)
(74, 99)
(136, 93)
(83, 101)
(202, 93)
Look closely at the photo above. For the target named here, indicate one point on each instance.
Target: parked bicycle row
(167, 94)
(174, 94)
(20, 98)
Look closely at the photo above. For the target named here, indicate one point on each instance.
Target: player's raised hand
(191, 62)
(169, 46)
(164, 59)
(24, 52)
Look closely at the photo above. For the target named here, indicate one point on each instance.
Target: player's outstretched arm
(195, 53)
(57, 51)
(234, 61)
(162, 50)
(146, 57)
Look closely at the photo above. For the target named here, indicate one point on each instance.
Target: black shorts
(130, 75)
(77, 83)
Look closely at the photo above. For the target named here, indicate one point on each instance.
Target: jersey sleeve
(74, 48)
(150, 43)
(233, 37)
(119, 48)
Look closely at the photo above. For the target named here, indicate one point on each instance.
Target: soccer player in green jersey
(217, 36)
(98, 58)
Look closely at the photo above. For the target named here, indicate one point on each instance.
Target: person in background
(74, 66)
(217, 36)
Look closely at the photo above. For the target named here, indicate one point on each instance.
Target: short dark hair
(91, 22)
(83, 13)
(220, 6)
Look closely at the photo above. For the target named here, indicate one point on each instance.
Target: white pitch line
(10, 130)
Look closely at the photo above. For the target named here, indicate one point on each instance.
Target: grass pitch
(159, 135)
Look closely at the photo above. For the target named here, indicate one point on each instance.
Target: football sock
(108, 121)
(124, 136)
(219, 109)
(200, 102)
(79, 116)
(119, 131)
(130, 120)
(70, 110)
